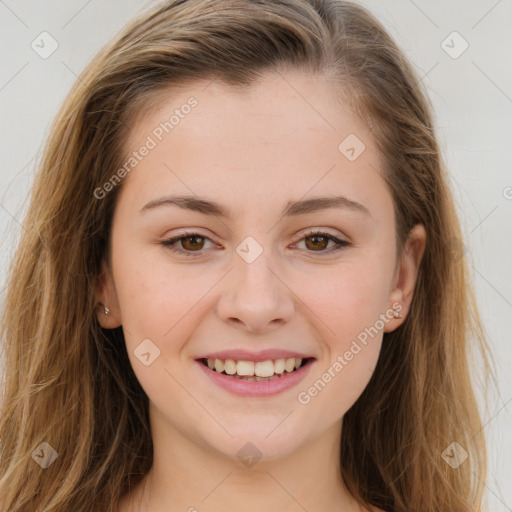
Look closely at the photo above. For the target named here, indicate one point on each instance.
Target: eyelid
(340, 243)
(169, 243)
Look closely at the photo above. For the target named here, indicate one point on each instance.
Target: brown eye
(191, 243)
(317, 242)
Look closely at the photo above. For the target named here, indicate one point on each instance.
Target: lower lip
(255, 388)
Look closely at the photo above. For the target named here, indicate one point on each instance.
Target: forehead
(286, 134)
(278, 108)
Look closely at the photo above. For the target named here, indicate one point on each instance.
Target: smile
(258, 371)
(255, 378)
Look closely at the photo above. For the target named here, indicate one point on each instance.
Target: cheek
(347, 306)
(350, 329)
(160, 312)
(348, 298)
(161, 302)
(337, 385)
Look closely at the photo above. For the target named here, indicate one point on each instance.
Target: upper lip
(263, 355)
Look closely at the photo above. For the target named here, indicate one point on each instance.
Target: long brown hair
(69, 383)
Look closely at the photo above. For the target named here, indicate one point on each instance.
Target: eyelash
(169, 243)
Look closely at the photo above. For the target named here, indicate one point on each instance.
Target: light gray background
(472, 96)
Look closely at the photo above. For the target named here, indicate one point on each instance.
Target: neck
(188, 476)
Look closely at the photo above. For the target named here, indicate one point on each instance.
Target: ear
(404, 279)
(106, 296)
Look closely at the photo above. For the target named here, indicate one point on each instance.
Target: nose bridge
(253, 276)
(256, 294)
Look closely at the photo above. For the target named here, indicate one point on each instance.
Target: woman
(178, 332)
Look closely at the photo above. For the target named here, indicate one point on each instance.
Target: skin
(252, 150)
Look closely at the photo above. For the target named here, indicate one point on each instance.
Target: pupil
(316, 238)
(194, 240)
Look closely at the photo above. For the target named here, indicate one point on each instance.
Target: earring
(107, 311)
(397, 314)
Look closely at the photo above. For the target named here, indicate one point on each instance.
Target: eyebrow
(292, 208)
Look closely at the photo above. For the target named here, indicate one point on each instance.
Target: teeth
(244, 368)
(264, 368)
(289, 364)
(250, 370)
(257, 379)
(230, 366)
(279, 366)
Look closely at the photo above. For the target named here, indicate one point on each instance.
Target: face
(268, 272)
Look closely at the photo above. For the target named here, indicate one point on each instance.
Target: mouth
(256, 371)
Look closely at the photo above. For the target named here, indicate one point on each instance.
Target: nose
(256, 296)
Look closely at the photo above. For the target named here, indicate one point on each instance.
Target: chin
(250, 445)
